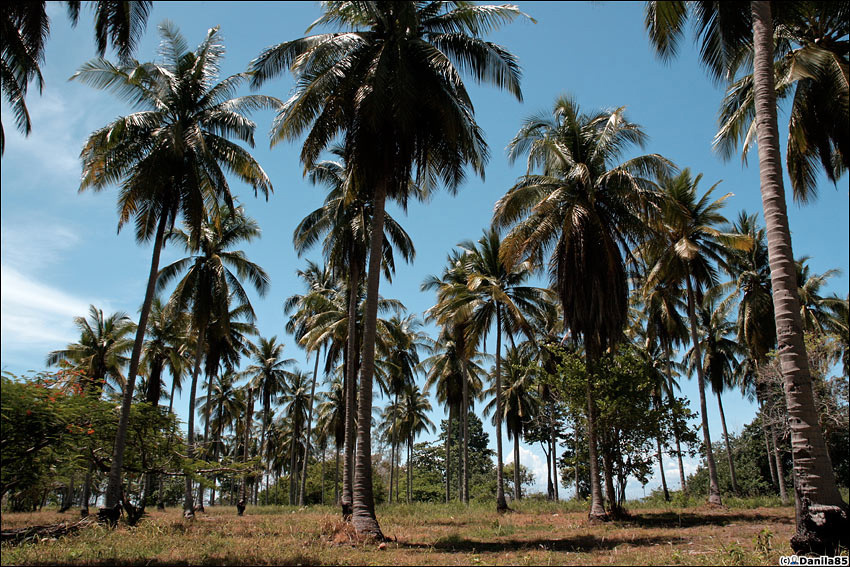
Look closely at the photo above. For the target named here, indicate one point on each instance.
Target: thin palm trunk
(309, 432)
(464, 493)
(336, 477)
(264, 440)
(517, 488)
(350, 382)
(501, 505)
(661, 470)
(249, 413)
(410, 468)
(728, 447)
(676, 425)
(323, 474)
(449, 456)
(393, 449)
(206, 440)
(815, 486)
(554, 448)
(113, 490)
(188, 505)
(780, 469)
(713, 484)
(597, 509)
(363, 511)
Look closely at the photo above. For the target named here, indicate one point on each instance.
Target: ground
(536, 533)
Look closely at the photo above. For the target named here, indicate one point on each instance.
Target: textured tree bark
(728, 448)
(113, 490)
(822, 524)
(713, 483)
(363, 513)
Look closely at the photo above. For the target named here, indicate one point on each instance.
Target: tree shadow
(578, 544)
(687, 519)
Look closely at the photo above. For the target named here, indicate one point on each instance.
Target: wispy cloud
(533, 462)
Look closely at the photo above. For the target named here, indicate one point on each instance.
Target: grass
(536, 533)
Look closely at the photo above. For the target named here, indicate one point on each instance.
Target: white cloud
(532, 461)
(35, 316)
(34, 244)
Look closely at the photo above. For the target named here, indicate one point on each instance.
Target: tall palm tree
(724, 30)
(219, 408)
(101, 354)
(168, 159)
(401, 113)
(295, 398)
(415, 407)
(26, 28)
(719, 360)
(166, 348)
(516, 399)
(587, 210)
(269, 376)
(331, 420)
(212, 274)
(815, 309)
(811, 68)
(501, 299)
(687, 247)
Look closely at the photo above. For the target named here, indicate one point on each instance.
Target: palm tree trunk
(363, 513)
(410, 468)
(267, 402)
(713, 483)
(728, 447)
(517, 487)
(464, 493)
(188, 505)
(671, 397)
(350, 382)
(336, 477)
(501, 505)
(554, 449)
(597, 510)
(323, 474)
(661, 470)
(392, 448)
(780, 470)
(449, 456)
(249, 413)
(206, 439)
(823, 521)
(608, 473)
(309, 432)
(113, 490)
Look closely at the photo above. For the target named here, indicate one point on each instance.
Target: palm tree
(811, 68)
(722, 43)
(168, 159)
(206, 288)
(719, 359)
(588, 210)
(26, 27)
(502, 300)
(815, 309)
(220, 408)
(167, 346)
(415, 407)
(331, 421)
(687, 248)
(517, 400)
(404, 113)
(101, 355)
(269, 375)
(295, 398)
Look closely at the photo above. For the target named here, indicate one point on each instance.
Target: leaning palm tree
(399, 114)
(26, 27)
(587, 210)
(686, 248)
(101, 355)
(725, 30)
(168, 159)
(213, 273)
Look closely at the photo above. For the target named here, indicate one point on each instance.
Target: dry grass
(535, 534)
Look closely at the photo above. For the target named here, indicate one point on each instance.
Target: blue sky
(61, 251)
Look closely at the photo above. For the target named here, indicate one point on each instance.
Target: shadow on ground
(578, 544)
(687, 520)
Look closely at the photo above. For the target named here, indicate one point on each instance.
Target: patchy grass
(535, 533)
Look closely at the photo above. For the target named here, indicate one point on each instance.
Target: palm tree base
(346, 512)
(821, 530)
(367, 529)
(598, 518)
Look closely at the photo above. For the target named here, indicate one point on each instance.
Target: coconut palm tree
(687, 247)
(26, 27)
(400, 114)
(719, 359)
(587, 210)
(811, 68)
(101, 355)
(415, 407)
(815, 309)
(501, 299)
(168, 159)
(331, 421)
(516, 399)
(213, 272)
(725, 30)
(295, 398)
(219, 409)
